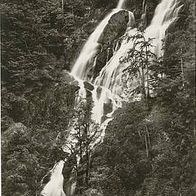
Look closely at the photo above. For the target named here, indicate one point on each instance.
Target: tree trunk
(182, 69)
(143, 84)
(87, 167)
(62, 6)
(146, 144)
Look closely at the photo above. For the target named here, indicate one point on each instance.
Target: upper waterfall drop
(120, 4)
(90, 48)
(165, 14)
(111, 74)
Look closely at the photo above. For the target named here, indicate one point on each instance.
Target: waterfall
(90, 48)
(165, 14)
(110, 76)
(55, 186)
(108, 85)
(120, 4)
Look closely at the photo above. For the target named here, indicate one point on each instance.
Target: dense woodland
(149, 148)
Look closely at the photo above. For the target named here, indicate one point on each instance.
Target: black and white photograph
(98, 98)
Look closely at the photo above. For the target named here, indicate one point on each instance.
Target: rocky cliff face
(115, 28)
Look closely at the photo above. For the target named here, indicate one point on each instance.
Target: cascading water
(110, 76)
(90, 48)
(120, 4)
(88, 57)
(165, 14)
(55, 185)
(108, 84)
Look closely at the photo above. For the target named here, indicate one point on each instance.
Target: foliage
(39, 39)
(20, 164)
(152, 152)
(125, 151)
(146, 150)
(84, 136)
(140, 58)
(47, 118)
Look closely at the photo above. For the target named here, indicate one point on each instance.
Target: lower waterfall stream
(108, 84)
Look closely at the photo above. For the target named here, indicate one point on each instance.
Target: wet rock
(101, 61)
(88, 86)
(116, 27)
(108, 107)
(102, 58)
